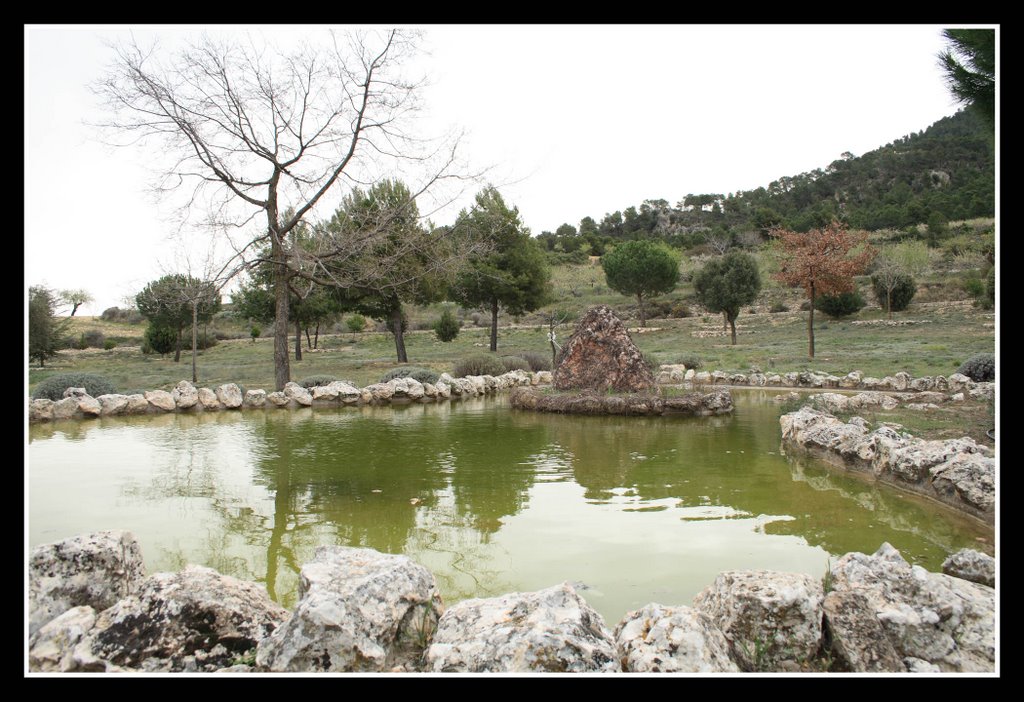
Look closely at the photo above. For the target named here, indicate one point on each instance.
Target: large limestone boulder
(194, 620)
(185, 395)
(858, 639)
(160, 400)
(358, 610)
(255, 398)
(65, 408)
(297, 393)
(945, 622)
(229, 395)
(406, 389)
(972, 565)
(52, 647)
(93, 570)
(659, 639)
(208, 399)
(769, 618)
(551, 630)
(112, 404)
(600, 355)
(40, 410)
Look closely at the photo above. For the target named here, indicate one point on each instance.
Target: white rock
(94, 570)
(185, 395)
(551, 630)
(229, 395)
(160, 400)
(52, 646)
(660, 639)
(208, 399)
(278, 399)
(40, 410)
(972, 565)
(255, 398)
(65, 408)
(302, 396)
(358, 610)
(768, 617)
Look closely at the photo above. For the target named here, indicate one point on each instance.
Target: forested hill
(946, 172)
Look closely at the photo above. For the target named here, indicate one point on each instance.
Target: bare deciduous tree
(257, 137)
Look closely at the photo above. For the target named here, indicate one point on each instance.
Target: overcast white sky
(575, 120)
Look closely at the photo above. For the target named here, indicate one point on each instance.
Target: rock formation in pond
(600, 355)
(660, 639)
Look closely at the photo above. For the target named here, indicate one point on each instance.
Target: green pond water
(492, 500)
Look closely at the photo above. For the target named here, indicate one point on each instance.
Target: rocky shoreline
(957, 472)
(185, 397)
(632, 404)
(91, 609)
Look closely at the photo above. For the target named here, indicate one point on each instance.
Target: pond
(492, 500)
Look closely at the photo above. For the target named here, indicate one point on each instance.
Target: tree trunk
(316, 336)
(396, 328)
(298, 340)
(732, 325)
(888, 301)
(282, 373)
(75, 308)
(725, 320)
(309, 341)
(195, 334)
(810, 327)
(643, 317)
(494, 325)
(177, 347)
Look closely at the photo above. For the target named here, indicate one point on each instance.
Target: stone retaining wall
(596, 403)
(957, 472)
(364, 611)
(185, 397)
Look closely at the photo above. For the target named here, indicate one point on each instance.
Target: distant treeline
(946, 172)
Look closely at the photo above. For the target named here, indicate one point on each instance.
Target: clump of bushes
(690, 361)
(537, 361)
(680, 310)
(980, 368)
(447, 327)
(901, 295)
(108, 344)
(159, 339)
(356, 323)
(778, 307)
(989, 301)
(651, 361)
(512, 363)
(423, 375)
(315, 381)
(116, 314)
(53, 388)
(92, 339)
(841, 305)
(478, 319)
(478, 365)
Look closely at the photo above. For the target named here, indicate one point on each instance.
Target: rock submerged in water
(551, 630)
(600, 355)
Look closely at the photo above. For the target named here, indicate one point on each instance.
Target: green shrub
(423, 375)
(92, 339)
(990, 288)
(314, 381)
(158, 339)
(681, 310)
(356, 323)
(203, 341)
(255, 332)
(778, 307)
(53, 388)
(537, 361)
(512, 363)
(690, 361)
(478, 365)
(651, 361)
(109, 344)
(447, 327)
(902, 292)
(980, 368)
(841, 305)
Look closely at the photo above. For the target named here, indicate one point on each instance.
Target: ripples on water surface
(490, 499)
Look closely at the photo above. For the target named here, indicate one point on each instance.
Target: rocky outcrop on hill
(600, 355)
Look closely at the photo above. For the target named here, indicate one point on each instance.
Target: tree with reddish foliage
(822, 262)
